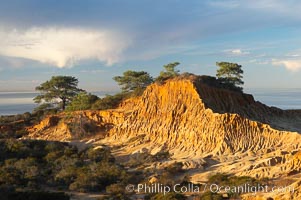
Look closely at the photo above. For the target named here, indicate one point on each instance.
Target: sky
(95, 40)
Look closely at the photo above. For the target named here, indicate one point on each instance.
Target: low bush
(168, 196)
(211, 196)
(139, 159)
(38, 164)
(109, 101)
(34, 196)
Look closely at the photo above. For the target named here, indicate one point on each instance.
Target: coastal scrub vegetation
(37, 165)
(31, 195)
(231, 181)
(14, 126)
(109, 101)
(144, 158)
(30, 168)
(82, 101)
(168, 196)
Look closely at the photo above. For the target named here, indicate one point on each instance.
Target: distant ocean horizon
(12, 103)
(285, 99)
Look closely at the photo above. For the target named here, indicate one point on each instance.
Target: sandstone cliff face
(207, 128)
(190, 116)
(177, 115)
(50, 128)
(247, 107)
(64, 127)
(195, 122)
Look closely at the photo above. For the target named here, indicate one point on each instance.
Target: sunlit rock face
(202, 125)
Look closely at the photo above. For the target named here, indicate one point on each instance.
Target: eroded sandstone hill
(203, 125)
(192, 114)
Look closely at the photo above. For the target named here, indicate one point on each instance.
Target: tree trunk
(63, 104)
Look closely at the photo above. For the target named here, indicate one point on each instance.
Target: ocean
(281, 98)
(12, 103)
(16, 102)
(20, 102)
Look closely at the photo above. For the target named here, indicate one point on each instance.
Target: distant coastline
(12, 103)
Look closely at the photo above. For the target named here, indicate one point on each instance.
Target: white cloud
(63, 46)
(291, 65)
(295, 54)
(259, 61)
(237, 52)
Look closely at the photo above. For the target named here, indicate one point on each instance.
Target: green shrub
(162, 155)
(145, 158)
(115, 189)
(223, 179)
(100, 154)
(21, 133)
(44, 109)
(116, 197)
(81, 126)
(14, 126)
(230, 180)
(82, 101)
(168, 196)
(38, 164)
(109, 101)
(34, 196)
(175, 168)
(211, 196)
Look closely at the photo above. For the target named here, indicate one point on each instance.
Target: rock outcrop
(204, 126)
(200, 120)
(50, 128)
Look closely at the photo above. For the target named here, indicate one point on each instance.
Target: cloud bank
(291, 65)
(147, 30)
(63, 47)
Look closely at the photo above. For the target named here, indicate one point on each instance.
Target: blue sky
(95, 40)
